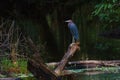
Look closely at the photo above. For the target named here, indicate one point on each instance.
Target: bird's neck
(70, 23)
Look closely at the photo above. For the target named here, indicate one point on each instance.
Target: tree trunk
(71, 50)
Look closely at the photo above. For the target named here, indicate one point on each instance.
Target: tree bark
(90, 63)
(37, 67)
(71, 50)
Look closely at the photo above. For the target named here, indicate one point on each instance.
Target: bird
(74, 31)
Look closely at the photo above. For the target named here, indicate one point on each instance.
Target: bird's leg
(73, 40)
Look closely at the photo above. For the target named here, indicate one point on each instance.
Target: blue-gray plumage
(73, 29)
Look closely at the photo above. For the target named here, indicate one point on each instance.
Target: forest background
(43, 21)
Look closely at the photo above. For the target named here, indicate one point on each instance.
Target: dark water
(96, 74)
(91, 74)
(102, 76)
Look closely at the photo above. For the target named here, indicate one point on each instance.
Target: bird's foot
(78, 43)
(72, 44)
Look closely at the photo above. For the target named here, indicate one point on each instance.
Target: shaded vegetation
(43, 21)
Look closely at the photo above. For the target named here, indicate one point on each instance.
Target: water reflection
(96, 74)
(102, 76)
(105, 73)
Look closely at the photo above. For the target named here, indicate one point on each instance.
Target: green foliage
(8, 65)
(18, 70)
(108, 10)
(40, 19)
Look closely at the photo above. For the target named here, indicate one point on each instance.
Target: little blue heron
(74, 31)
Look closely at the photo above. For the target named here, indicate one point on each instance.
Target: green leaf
(105, 6)
(114, 1)
(99, 9)
(110, 6)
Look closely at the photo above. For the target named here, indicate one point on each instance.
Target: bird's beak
(68, 21)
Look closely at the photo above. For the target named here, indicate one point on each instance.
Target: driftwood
(89, 63)
(40, 70)
(34, 48)
(37, 67)
(97, 63)
(71, 50)
(32, 45)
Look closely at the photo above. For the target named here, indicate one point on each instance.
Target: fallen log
(34, 48)
(37, 67)
(40, 70)
(71, 50)
(89, 63)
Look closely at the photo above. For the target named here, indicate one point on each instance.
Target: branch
(71, 50)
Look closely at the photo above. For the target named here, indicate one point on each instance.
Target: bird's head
(68, 21)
